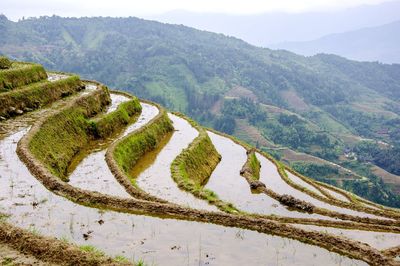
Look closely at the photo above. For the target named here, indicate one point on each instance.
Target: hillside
(369, 44)
(323, 105)
(95, 176)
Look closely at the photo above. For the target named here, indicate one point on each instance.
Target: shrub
(5, 63)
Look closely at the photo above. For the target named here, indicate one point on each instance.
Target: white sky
(15, 9)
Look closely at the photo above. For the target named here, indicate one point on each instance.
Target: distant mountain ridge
(380, 43)
(277, 27)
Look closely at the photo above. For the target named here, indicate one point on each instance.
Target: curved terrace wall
(21, 74)
(50, 249)
(123, 154)
(34, 96)
(53, 183)
(66, 133)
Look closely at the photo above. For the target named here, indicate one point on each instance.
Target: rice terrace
(92, 176)
(196, 133)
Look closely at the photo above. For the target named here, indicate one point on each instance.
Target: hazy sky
(15, 9)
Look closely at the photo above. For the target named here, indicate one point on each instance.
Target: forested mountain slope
(322, 105)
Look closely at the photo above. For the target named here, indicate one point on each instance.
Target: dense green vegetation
(5, 63)
(197, 162)
(387, 157)
(284, 128)
(324, 101)
(320, 172)
(372, 188)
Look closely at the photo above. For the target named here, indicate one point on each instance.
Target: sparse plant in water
(120, 258)
(140, 263)
(34, 230)
(64, 239)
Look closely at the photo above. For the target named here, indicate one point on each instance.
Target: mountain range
(369, 44)
(269, 28)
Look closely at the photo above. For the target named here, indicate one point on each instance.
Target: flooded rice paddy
(336, 195)
(116, 100)
(153, 173)
(157, 241)
(378, 240)
(56, 76)
(273, 180)
(230, 186)
(92, 173)
(297, 180)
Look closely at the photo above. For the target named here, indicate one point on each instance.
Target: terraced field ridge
(92, 176)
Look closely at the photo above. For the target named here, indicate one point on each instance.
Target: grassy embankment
(21, 74)
(65, 134)
(251, 171)
(51, 250)
(194, 165)
(130, 149)
(36, 95)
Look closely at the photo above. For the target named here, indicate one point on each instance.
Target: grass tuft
(92, 250)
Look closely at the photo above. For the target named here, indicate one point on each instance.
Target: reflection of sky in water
(230, 186)
(378, 240)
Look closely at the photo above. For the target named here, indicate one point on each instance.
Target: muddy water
(149, 111)
(273, 180)
(158, 241)
(230, 186)
(304, 184)
(155, 175)
(116, 100)
(378, 240)
(336, 195)
(54, 77)
(92, 173)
